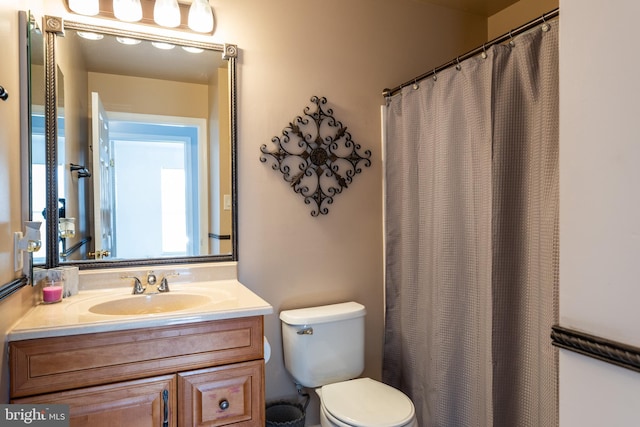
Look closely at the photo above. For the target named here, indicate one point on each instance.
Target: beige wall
(220, 173)
(72, 84)
(149, 96)
(289, 51)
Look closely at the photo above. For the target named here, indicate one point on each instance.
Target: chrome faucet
(151, 280)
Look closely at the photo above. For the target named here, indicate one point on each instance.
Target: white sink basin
(150, 304)
(113, 309)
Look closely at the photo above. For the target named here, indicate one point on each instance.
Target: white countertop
(228, 299)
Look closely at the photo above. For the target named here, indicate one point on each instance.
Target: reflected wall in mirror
(32, 94)
(145, 150)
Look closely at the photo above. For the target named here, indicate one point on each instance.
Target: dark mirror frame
(53, 27)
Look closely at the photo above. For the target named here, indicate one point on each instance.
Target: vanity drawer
(53, 364)
(222, 396)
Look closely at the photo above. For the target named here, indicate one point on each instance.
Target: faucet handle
(137, 285)
(164, 283)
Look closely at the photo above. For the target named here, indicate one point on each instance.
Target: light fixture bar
(106, 11)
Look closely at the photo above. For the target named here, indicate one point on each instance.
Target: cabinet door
(231, 394)
(149, 402)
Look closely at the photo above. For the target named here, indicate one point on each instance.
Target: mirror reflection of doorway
(155, 173)
(155, 177)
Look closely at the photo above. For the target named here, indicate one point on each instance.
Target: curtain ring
(545, 26)
(435, 76)
(484, 51)
(458, 66)
(415, 84)
(511, 42)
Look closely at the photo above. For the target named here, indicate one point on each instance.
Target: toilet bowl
(364, 402)
(324, 349)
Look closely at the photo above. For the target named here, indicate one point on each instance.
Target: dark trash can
(284, 414)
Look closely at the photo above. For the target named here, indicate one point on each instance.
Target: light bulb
(167, 13)
(128, 41)
(85, 7)
(201, 16)
(90, 36)
(192, 49)
(127, 10)
(163, 46)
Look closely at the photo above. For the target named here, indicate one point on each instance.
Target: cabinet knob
(224, 404)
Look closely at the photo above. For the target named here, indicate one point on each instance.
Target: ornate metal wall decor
(317, 156)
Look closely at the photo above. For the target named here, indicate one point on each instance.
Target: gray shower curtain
(471, 230)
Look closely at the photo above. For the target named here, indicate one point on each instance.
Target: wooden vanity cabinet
(199, 374)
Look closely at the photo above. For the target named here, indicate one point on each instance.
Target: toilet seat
(364, 402)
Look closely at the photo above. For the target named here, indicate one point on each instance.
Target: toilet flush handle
(306, 331)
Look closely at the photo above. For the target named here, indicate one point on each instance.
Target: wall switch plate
(227, 202)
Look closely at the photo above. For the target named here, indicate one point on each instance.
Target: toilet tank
(324, 344)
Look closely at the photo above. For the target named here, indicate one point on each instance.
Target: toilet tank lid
(323, 314)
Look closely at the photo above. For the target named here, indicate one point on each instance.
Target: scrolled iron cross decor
(316, 156)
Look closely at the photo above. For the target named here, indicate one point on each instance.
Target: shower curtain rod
(503, 38)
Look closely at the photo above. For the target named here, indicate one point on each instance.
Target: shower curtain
(471, 230)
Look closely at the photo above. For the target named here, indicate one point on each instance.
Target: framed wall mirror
(139, 140)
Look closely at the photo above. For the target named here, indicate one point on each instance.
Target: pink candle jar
(52, 293)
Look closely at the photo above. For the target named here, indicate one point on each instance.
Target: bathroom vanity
(199, 366)
(195, 355)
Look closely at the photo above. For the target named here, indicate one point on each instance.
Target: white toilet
(324, 347)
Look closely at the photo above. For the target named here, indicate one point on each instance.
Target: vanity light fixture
(85, 7)
(127, 10)
(193, 16)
